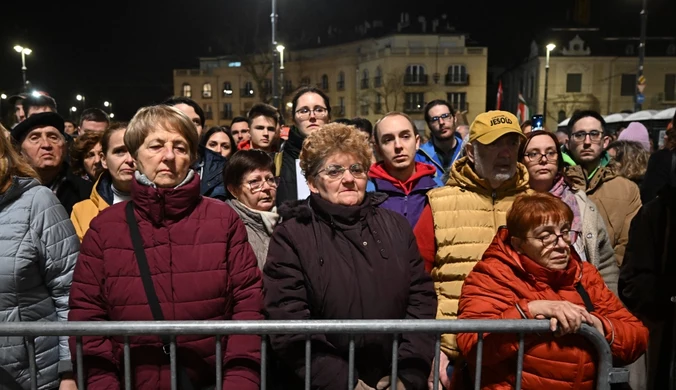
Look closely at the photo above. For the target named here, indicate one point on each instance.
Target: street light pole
(550, 47)
(24, 51)
(280, 50)
(275, 84)
(641, 55)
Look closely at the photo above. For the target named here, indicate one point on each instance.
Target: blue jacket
(210, 168)
(427, 154)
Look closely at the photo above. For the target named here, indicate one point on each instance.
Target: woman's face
(257, 191)
(547, 245)
(541, 168)
(316, 115)
(92, 160)
(164, 158)
(219, 142)
(118, 161)
(341, 180)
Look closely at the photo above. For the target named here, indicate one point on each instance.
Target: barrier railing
(29, 330)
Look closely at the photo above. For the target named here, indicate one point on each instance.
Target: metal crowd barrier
(29, 330)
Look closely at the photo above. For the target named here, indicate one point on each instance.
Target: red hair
(534, 210)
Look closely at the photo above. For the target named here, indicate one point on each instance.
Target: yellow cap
(491, 125)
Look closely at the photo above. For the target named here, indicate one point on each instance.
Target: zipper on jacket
(494, 197)
(405, 205)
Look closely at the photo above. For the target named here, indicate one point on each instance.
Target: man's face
(495, 162)
(240, 132)
(37, 110)
(443, 128)
(587, 142)
(190, 112)
(88, 126)
(397, 143)
(70, 128)
(43, 148)
(18, 111)
(262, 132)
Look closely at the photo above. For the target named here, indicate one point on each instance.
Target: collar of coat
(463, 175)
(304, 211)
(163, 206)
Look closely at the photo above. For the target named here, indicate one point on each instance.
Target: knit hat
(638, 133)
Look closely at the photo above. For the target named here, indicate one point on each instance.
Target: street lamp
(81, 98)
(641, 57)
(112, 115)
(109, 106)
(280, 50)
(73, 109)
(3, 96)
(24, 51)
(275, 82)
(550, 47)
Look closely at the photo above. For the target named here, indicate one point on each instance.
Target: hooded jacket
(210, 168)
(38, 250)
(501, 286)
(456, 228)
(83, 212)
(329, 261)
(202, 268)
(406, 198)
(427, 153)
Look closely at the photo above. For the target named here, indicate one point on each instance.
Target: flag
(499, 104)
(522, 109)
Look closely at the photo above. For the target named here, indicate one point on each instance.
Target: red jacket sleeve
(87, 303)
(242, 357)
(424, 235)
(627, 335)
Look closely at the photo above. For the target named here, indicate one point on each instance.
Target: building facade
(587, 71)
(366, 78)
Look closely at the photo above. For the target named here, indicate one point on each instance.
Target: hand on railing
(564, 317)
(384, 384)
(363, 386)
(67, 384)
(444, 380)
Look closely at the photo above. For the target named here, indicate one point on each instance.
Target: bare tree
(391, 92)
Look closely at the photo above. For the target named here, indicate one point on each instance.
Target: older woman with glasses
(530, 271)
(541, 155)
(252, 186)
(337, 255)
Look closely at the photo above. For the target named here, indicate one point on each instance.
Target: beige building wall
(386, 61)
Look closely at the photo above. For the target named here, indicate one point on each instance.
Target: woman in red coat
(201, 265)
(529, 271)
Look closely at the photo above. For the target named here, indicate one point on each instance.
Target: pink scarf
(563, 191)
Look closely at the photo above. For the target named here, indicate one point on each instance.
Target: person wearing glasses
(252, 188)
(338, 255)
(541, 155)
(530, 271)
(618, 198)
(311, 109)
(445, 144)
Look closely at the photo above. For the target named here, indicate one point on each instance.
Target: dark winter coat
(210, 168)
(329, 261)
(202, 268)
(659, 174)
(71, 189)
(287, 190)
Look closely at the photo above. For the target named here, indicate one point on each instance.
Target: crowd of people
(161, 218)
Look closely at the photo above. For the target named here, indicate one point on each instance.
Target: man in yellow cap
(463, 216)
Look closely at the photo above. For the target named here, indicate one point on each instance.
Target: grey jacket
(594, 245)
(258, 228)
(38, 249)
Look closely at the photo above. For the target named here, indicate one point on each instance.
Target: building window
(671, 50)
(227, 89)
(340, 84)
(227, 111)
(248, 90)
(206, 91)
(414, 102)
(365, 79)
(325, 82)
(457, 75)
(415, 75)
(187, 90)
(628, 86)
(562, 116)
(574, 82)
(458, 100)
(208, 114)
(378, 78)
(670, 87)
(305, 82)
(378, 105)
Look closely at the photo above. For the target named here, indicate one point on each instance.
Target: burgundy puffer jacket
(202, 268)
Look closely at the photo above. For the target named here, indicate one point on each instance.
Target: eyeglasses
(257, 185)
(551, 156)
(304, 113)
(336, 172)
(594, 136)
(550, 240)
(442, 116)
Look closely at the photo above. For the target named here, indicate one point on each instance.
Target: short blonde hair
(331, 139)
(148, 119)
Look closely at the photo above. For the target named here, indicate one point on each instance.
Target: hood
(569, 162)
(580, 182)
(416, 181)
(525, 268)
(315, 207)
(17, 188)
(463, 175)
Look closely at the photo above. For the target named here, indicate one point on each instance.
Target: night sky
(125, 52)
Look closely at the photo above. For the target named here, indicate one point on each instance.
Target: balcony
(245, 93)
(364, 83)
(457, 79)
(415, 79)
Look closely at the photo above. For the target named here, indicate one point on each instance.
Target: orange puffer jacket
(500, 287)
